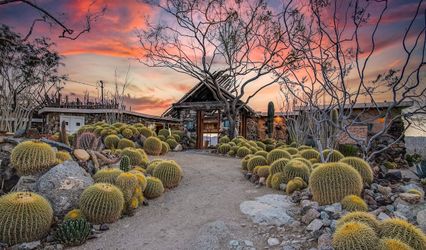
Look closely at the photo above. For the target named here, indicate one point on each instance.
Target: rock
(310, 215)
(178, 148)
(248, 243)
(81, 155)
(62, 186)
(394, 175)
(234, 243)
(273, 242)
(7, 147)
(410, 198)
(386, 191)
(315, 225)
(103, 227)
(210, 236)
(407, 187)
(288, 247)
(56, 144)
(333, 225)
(421, 219)
(19, 132)
(27, 245)
(262, 180)
(325, 241)
(271, 209)
(27, 183)
(334, 208)
(283, 186)
(383, 216)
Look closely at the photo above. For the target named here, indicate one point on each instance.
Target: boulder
(81, 155)
(421, 219)
(271, 209)
(62, 186)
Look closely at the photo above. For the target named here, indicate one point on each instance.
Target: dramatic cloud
(112, 45)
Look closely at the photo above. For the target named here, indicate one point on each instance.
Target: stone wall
(356, 131)
(52, 120)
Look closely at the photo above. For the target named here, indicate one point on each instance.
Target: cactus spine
(125, 163)
(355, 235)
(125, 143)
(32, 157)
(24, 217)
(256, 161)
(86, 140)
(111, 141)
(393, 244)
(361, 166)
(295, 184)
(102, 203)
(279, 165)
(224, 148)
(362, 217)
(402, 230)
(277, 180)
(277, 154)
(354, 203)
(154, 188)
(295, 168)
(170, 173)
(331, 182)
(107, 175)
(242, 152)
(73, 232)
(152, 146)
(136, 157)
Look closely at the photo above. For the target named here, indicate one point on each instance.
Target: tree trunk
(232, 127)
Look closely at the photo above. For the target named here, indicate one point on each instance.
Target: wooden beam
(199, 105)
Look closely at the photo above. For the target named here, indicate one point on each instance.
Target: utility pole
(102, 91)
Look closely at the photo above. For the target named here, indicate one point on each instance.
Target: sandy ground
(211, 190)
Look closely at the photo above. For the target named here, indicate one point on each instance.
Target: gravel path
(210, 192)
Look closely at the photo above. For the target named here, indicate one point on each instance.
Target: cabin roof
(203, 93)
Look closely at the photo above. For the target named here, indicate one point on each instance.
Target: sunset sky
(112, 44)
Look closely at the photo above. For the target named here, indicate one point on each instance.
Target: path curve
(211, 190)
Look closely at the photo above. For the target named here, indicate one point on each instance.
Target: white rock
(315, 225)
(383, 216)
(248, 243)
(273, 242)
(81, 154)
(421, 219)
(271, 209)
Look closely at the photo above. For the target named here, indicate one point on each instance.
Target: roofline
(101, 111)
(404, 104)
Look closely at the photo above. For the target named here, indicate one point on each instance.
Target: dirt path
(212, 190)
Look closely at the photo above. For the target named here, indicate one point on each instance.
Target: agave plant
(421, 171)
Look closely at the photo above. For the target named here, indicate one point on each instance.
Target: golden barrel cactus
(354, 203)
(361, 166)
(296, 168)
(363, 217)
(154, 188)
(393, 244)
(152, 146)
(277, 154)
(355, 235)
(331, 182)
(24, 217)
(102, 203)
(32, 157)
(107, 175)
(255, 161)
(404, 231)
(169, 172)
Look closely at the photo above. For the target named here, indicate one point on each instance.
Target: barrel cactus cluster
(361, 230)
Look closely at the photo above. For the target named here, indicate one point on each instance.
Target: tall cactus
(270, 119)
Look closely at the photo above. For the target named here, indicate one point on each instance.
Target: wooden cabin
(203, 116)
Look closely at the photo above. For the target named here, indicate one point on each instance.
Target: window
(226, 124)
(77, 124)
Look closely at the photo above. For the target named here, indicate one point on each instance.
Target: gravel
(210, 192)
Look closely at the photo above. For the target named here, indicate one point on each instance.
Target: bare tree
(53, 20)
(28, 77)
(338, 47)
(118, 97)
(239, 41)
